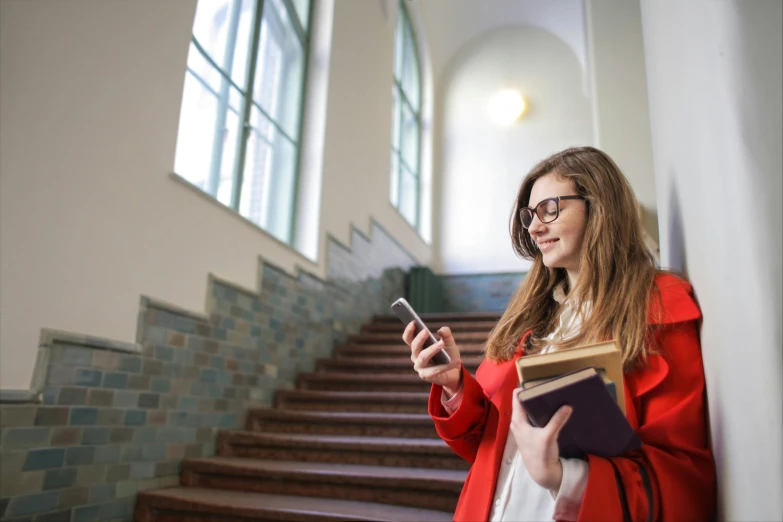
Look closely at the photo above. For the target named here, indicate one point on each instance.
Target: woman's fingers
(424, 356)
(518, 413)
(407, 334)
(558, 420)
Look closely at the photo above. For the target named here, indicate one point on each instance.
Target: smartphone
(405, 312)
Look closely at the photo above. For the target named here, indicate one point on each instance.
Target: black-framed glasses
(547, 210)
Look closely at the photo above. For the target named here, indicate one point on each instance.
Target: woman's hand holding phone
(447, 375)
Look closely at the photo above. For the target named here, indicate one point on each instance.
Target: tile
(129, 364)
(149, 400)
(52, 416)
(83, 416)
(87, 377)
(90, 475)
(115, 380)
(59, 478)
(70, 395)
(24, 438)
(135, 417)
(120, 435)
(32, 504)
(101, 493)
(12, 415)
(95, 436)
(80, 456)
(66, 436)
(44, 459)
(72, 497)
(86, 514)
(100, 397)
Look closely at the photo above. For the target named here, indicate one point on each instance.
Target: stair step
(396, 338)
(373, 451)
(413, 487)
(401, 349)
(460, 326)
(376, 365)
(373, 401)
(216, 505)
(445, 318)
(358, 382)
(269, 420)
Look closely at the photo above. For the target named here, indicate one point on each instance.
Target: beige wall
(90, 217)
(479, 164)
(619, 96)
(714, 72)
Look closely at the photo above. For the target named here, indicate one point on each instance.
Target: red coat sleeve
(463, 429)
(672, 477)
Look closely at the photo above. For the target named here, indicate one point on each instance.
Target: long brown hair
(617, 272)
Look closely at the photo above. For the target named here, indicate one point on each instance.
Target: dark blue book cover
(597, 426)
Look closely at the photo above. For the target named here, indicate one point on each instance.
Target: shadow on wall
(677, 256)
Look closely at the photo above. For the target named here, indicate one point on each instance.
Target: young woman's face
(560, 241)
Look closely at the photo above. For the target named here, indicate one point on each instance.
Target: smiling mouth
(547, 242)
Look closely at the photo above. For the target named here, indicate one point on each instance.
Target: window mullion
(222, 108)
(247, 105)
(399, 158)
(301, 34)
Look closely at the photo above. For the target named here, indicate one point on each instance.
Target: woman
(592, 279)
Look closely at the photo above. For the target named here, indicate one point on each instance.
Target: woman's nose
(535, 226)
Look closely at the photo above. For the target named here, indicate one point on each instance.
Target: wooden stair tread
(362, 377)
(394, 476)
(365, 396)
(388, 361)
(356, 442)
(341, 416)
(260, 506)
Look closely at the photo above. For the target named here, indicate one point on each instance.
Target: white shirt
(517, 496)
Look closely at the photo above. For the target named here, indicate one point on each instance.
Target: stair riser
(352, 406)
(395, 350)
(456, 327)
(427, 499)
(344, 429)
(145, 514)
(387, 458)
(362, 386)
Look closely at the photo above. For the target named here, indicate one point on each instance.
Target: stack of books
(590, 380)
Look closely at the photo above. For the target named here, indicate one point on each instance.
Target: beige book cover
(604, 356)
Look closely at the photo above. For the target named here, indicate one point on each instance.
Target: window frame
(247, 103)
(403, 17)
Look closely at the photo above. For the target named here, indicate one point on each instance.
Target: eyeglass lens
(546, 210)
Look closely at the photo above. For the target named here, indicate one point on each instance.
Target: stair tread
(365, 396)
(240, 503)
(342, 416)
(362, 377)
(421, 477)
(388, 361)
(370, 443)
(444, 317)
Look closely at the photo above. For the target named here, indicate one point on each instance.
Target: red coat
(671, 478)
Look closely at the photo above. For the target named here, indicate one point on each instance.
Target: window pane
(223, 28)
(398, 37)
(303, 10)
(196, 133)
(202, 69)
(396, 118)
(410, 139)
(280, 68)
(408, 196)
(243, 40)
(410, 76)
(395, 179)
(269, 178)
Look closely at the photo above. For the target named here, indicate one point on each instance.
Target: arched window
(406, 130)
(239, 130)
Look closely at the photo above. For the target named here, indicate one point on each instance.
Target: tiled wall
(117, 418)
(479, 292)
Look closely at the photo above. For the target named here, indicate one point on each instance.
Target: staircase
(352, 442)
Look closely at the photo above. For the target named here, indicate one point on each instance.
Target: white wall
(90, 219)
(619, 94)
(480, 165)
(715, 82)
